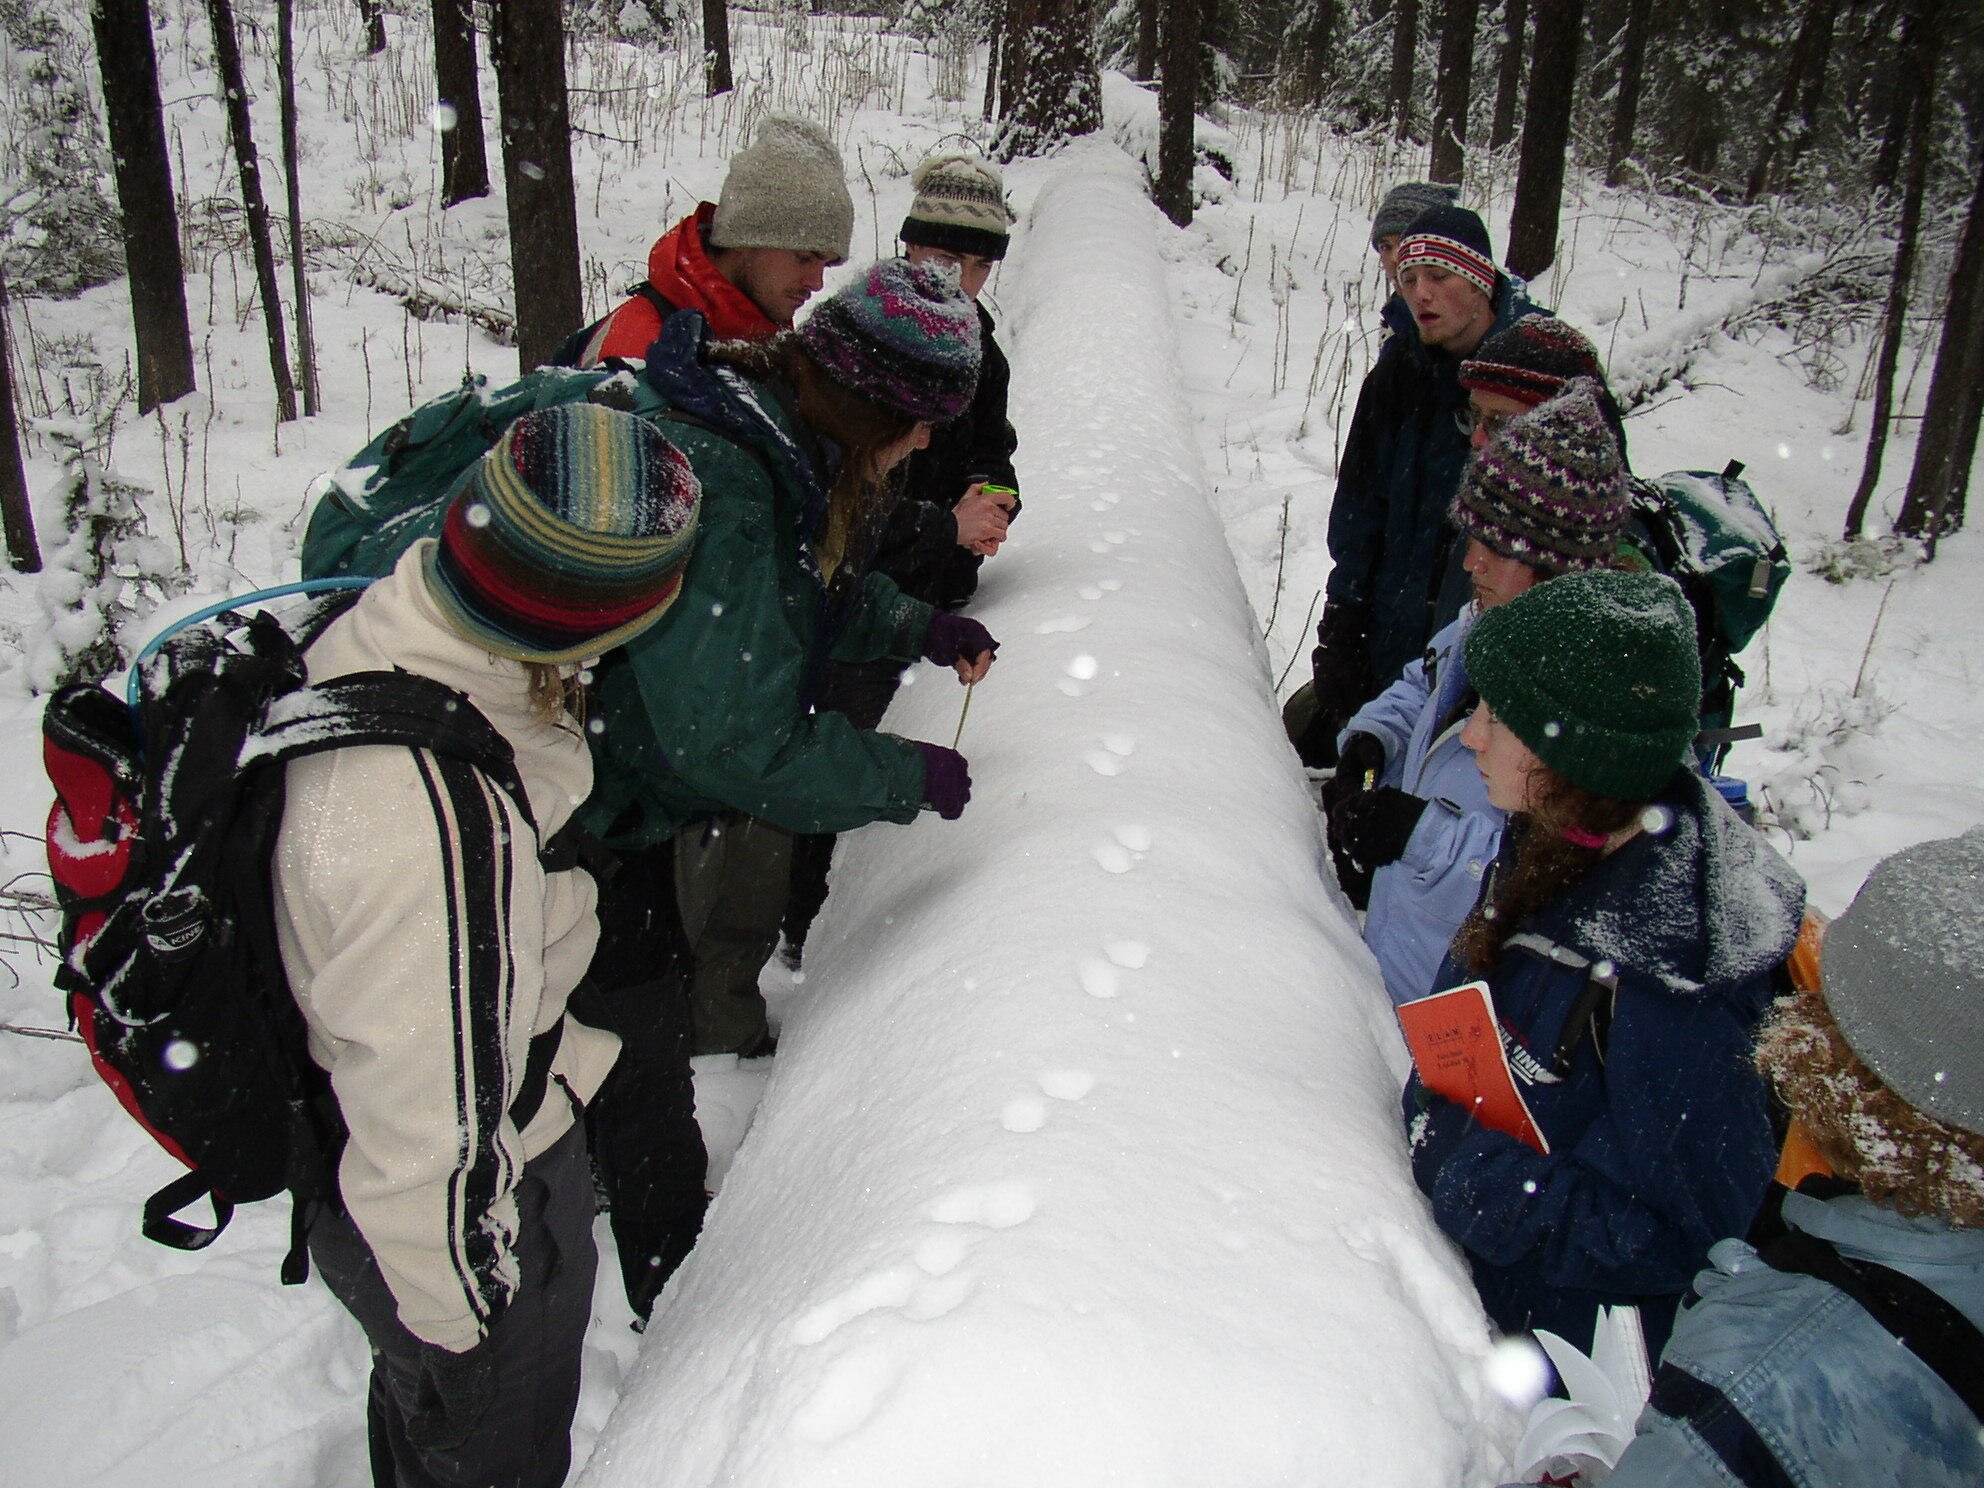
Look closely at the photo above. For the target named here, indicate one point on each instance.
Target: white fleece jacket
(427, 947)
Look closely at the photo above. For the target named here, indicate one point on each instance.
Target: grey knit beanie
(1901, 971)
(1549, 489)
(1406, 201)
(786, 189)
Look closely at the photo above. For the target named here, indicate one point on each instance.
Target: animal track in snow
(1062, 625)
(1067, 1084)
(1122, 744)
(1098, 977)
(997, 1206)
(846, 1398)
(1114, 857)
(1104, 763)
(1131, 955)
(1024, 1113)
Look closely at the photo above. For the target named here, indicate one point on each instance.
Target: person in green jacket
(709, 752)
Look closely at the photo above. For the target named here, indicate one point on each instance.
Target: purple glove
(946, 781)
(953, 636)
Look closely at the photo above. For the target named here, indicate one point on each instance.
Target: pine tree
(529, 51)
(16, 514)
(1546, 136)
(716, 48)
(1056, 89)
(458, 92)
(1177, 109)
(1632, 76)
(1452, 89)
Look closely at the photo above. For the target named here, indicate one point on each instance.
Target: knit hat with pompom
(960, 205)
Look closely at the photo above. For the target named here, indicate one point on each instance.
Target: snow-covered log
(1082, 1160)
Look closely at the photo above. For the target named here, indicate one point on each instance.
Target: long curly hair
(1901, 1158)
(1543, 862)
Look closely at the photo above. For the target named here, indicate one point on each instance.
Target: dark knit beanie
(786, 189)
(1549, 489)
(1406, 201)
(960, 205)
(569, 538)
(1454, 239)
(902, 335)
(1531, 360)
(1598, 674)
(1902, 979)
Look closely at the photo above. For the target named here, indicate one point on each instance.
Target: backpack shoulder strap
(1921, 1321)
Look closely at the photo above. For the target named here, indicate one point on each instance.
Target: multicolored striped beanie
(1549, 489)
(960, 206)
(1531, 360)
(1454, 239)
(568, 538)
(902, 335)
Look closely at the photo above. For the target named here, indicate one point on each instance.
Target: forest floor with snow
(1079, 1162)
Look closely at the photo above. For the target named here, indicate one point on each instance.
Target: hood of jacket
(679, 267)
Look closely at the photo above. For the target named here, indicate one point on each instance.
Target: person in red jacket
(749, 260)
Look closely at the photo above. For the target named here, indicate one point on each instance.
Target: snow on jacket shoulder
(1795, 1373)
(1418, 902)
(710, 710)
(1660, 1140)
(427, 948)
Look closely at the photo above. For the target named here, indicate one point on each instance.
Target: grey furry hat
(786, 189)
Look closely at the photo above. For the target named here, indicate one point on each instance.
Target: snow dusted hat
(902, 335)
(1902, 978)
(1406, 201)
(568, 538)
(786, 189)
(1454, 239)
(1549, 489)
(960, 205)
(1598, 674)
(1531, 360)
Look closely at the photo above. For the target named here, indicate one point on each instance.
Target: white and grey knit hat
(1549, 490)
(1902, 977)
(960, 205)
(786, 189)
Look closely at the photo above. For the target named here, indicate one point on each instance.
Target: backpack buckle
(175, 922)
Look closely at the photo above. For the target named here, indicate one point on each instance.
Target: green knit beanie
(1598, 674)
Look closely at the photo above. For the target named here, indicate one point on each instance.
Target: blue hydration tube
(233, 602)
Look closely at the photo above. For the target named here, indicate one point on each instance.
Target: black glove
(1341, 664)
(1375, 825)
(1362, 762)
(453, 1394)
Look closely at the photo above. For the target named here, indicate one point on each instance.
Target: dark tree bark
(529, 50)
(1803, 87)
(374, 17)
(1013, 58)
(1939, 483)
(1508, 85)
(1405, 50)
(144, 197)
(1146, 60)
(227, 61)
(1922, 58)
(1899, 103)
(1632, 75)
(464, 160)
(716, 48)
(1452, 89)
(16, 515)
(992, 56)
(306, 341)
(1546, 134)
(1310, 40)
(1177, 107)
(1056, 87)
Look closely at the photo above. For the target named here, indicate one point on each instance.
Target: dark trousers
(732, 878)
(646, 1145)
(499, 1416)
(862, 690)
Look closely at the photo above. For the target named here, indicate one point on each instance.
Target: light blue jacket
(1419, 902)
(1816, 1385)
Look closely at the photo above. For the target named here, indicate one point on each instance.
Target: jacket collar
(679, 266)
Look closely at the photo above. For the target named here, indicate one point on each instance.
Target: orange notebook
(1457, 1044)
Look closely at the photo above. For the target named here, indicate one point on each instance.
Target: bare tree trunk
(375, 26)
(529, 51)
(1804, 71)
(1177, 107)
(716, 48)
(1146, 62)
(1405, 49)
(1013, 60)
(1632, 75)
(1920, 84)
(306, 341)
(1452, 89)
(227, 60)
(1946, 445)
(1546, 135)
(144, 197)
(1057, 93)
(16, 514)
(1508, 87)
(992, 56)
(1894, 131)
(1305, 63)
(464, 160)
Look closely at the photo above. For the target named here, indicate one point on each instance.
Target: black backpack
(159, 841)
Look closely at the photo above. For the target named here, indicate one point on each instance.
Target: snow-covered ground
(1079, 1160)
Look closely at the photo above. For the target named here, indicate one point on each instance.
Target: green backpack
(396, 490)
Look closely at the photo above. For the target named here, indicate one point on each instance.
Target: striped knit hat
(960, 205)
(568, 538)
(1549, 490)
(1454, 239)
(902, 335)
(1531, 360)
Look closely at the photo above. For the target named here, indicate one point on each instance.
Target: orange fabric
(1800, 1159)
(679, 267)
(1803, 962)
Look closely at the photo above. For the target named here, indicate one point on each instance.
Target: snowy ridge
(1081, 1163)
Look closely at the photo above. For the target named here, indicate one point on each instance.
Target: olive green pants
(732, 878)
